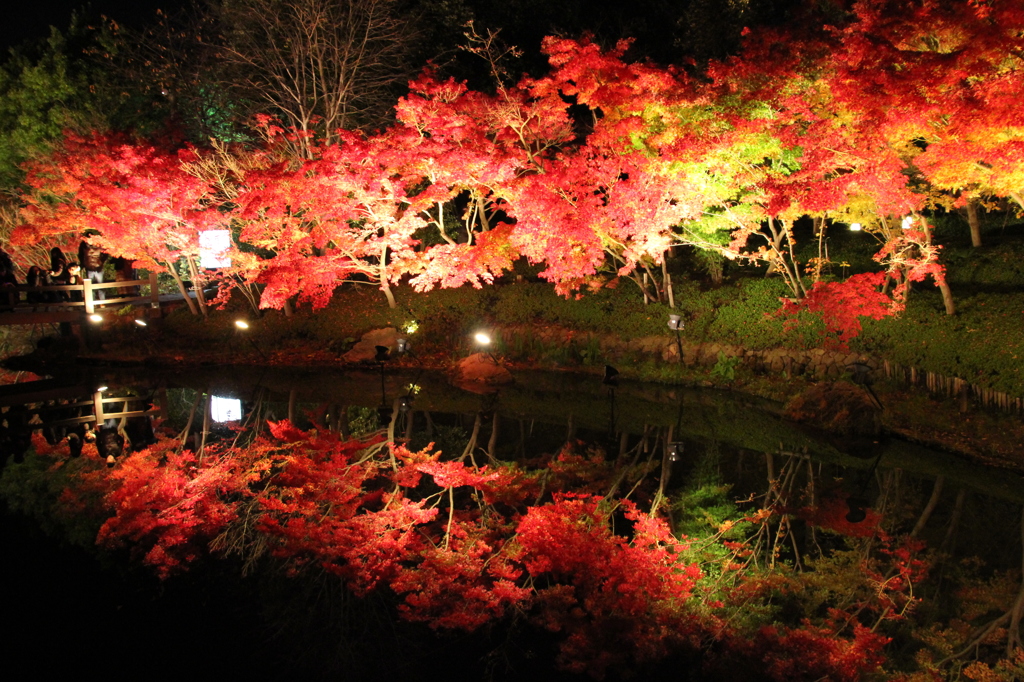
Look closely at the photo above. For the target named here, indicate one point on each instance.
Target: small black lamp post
(243, 327)
(675, 323)
(384, 412)
(675, 451)
(611, 380)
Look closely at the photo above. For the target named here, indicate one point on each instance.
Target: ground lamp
(243, 326)
(483, 340)
(91, 332)
(675, 323)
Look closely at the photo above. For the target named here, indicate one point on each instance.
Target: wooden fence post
(97, 404)
(154, 291)
(87, 296)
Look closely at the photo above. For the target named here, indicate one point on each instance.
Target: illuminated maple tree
(134, 200)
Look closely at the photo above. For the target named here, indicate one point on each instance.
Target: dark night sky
(31, 19)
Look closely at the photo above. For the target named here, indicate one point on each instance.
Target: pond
(758, 499)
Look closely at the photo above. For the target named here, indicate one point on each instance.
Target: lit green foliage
(725, 367)
(66, 82)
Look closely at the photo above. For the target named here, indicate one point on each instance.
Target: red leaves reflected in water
(461, 547)
(169, 504)
(831, 513)
(607, 588)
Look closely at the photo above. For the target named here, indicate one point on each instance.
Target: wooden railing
(16, 308)
(48, 400)
(98, 415)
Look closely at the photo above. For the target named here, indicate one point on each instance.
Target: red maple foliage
(457, 553)
(843, 304)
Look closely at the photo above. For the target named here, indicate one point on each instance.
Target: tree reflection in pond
(628, 559)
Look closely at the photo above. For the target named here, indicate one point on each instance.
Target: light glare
(855, 227)
(482, 339)
(241, 324)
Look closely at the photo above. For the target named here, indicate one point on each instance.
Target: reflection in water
(532, 540)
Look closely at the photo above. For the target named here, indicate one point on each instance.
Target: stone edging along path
(817, 363)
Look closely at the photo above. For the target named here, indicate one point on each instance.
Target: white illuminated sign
(225, 409)
(213, 248)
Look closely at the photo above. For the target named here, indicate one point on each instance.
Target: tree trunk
(668, 285)
(1016, 197)
(929, 508)
(492, 442)
(947, 297)
(384, 286)
(197, 286)
(343, 425)
(974, 221)
(181, 288)
(471, 445)
(206, 426)
(949, 541)
(947, 294)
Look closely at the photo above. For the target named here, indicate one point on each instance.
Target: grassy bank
(983, 343)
